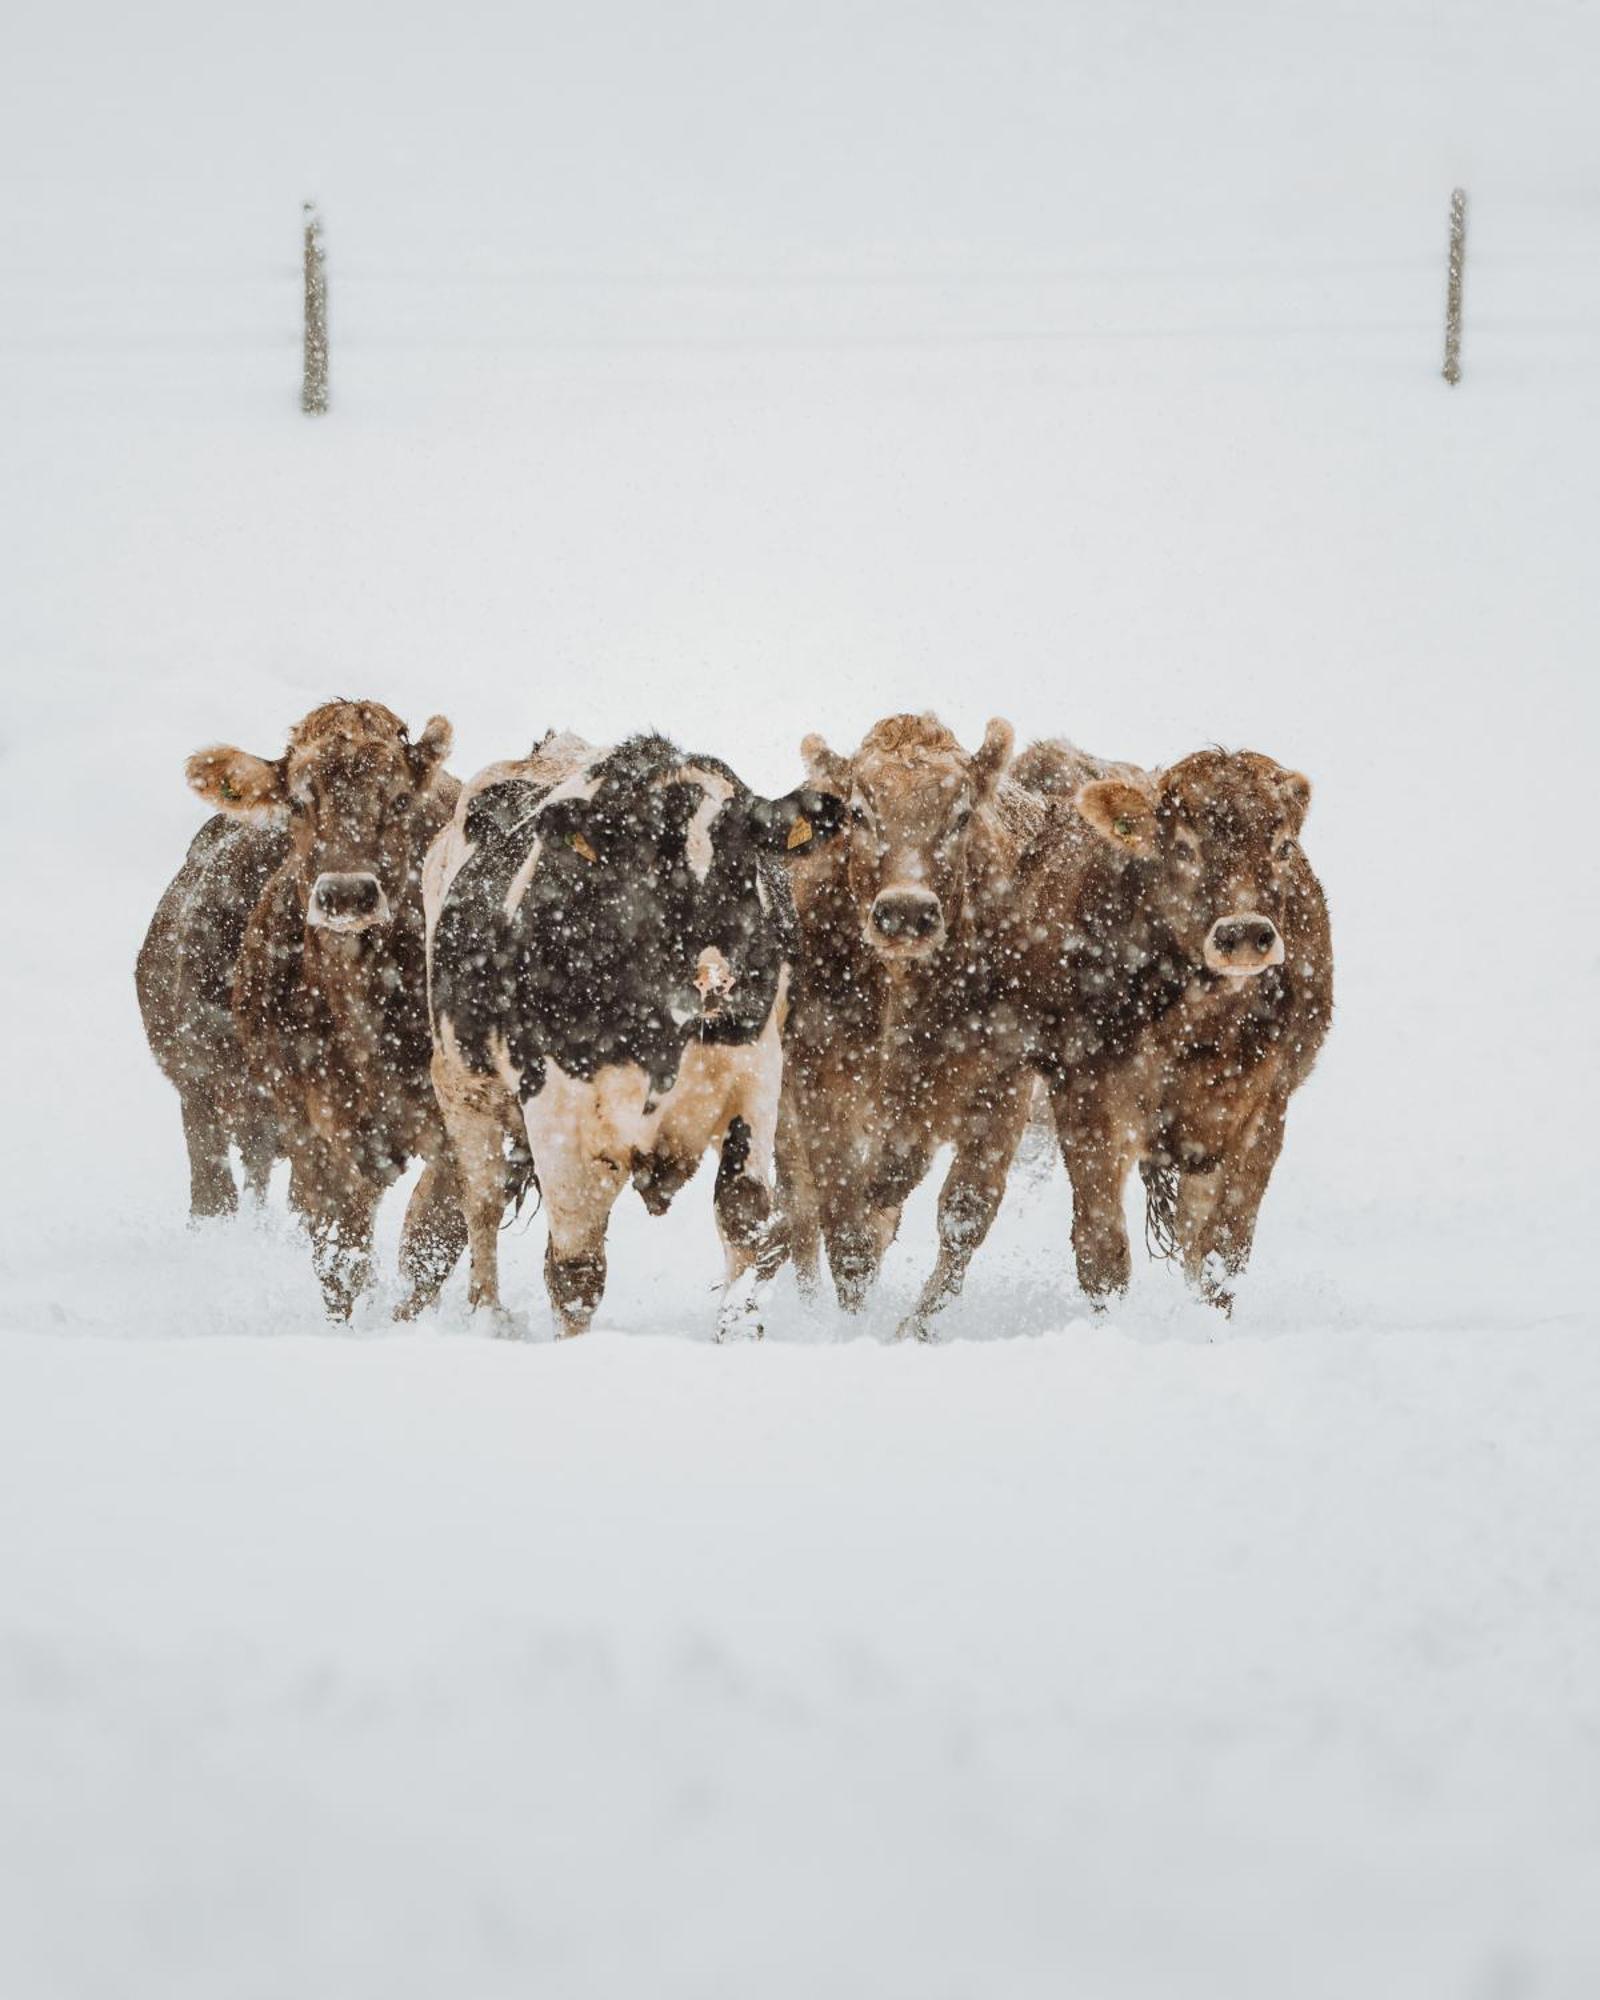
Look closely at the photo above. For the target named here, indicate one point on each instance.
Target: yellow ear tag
(799, 834)
(225, 786)
(1124, 826)
(581, 846)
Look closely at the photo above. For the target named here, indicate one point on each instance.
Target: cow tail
(520, 1177)
(1160, 1208)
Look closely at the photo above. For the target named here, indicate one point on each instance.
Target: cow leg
(857, 1241)
(751, 1233)
(1098, 1145)
(1216, 1243)
(828, 1179)
(971, 1196)
(799, 1218)
(582, 1164)
(211, 1188)
(433, 1236)
(338, 1206)
(820, 1172)
(475, 1113)
(861, 1212)
(855, 1233)
(1197, 1197)
(257, 1140)
(578, 1202)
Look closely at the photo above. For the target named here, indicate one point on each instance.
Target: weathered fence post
(1452, 302)
(314, 387)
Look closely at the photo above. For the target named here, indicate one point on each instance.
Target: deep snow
(747, 372)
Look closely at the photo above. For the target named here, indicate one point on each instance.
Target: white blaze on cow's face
(913, 795)
(716, 791)
(1220, 831)
(728, 843)
(348, 789)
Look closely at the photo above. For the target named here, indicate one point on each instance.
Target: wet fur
(330, 1031)
(1153, 1059)
(573, 906)
(886, 1062)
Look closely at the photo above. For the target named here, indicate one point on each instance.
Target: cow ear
(232, 781)
(1122, 813)
(797, 823)
(1294, 788)
(825, 767)
(999, 739)
(431, 748)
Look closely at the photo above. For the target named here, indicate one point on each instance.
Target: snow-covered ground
(751, 371)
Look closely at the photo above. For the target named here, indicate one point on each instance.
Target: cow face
(1221, 833)
(913, 796)
(680, 872)
(348, 788)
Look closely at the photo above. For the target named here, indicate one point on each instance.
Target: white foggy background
(747, 371)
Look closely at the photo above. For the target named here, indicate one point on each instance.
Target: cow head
(678, 866)
(349, 789)
(913, 794)
(1220, 832)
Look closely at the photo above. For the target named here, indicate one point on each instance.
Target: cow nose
(714, 980)
(348, 902)
(907, 915)
(1248, 943)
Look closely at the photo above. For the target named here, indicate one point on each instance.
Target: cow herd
(586, 968)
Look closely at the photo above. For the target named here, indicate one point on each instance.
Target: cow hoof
(739, 1317)
(917, 1326)
(499, 1322)
(740, 1322)
(1213, 1283)
(736, 1326)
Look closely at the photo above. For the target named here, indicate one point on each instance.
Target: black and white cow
(611, 942)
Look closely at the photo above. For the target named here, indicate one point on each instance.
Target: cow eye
(1284, 848)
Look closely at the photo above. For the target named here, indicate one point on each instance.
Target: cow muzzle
(347, 903)
(906, 922)
(1240, 947)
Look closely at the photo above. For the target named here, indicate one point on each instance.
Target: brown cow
(184, 979)
(905, 1034)
(1178, 972)
(1053, 768)
(329, 998)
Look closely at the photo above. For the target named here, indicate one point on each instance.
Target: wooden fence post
(314, 386)
(1452, 303)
